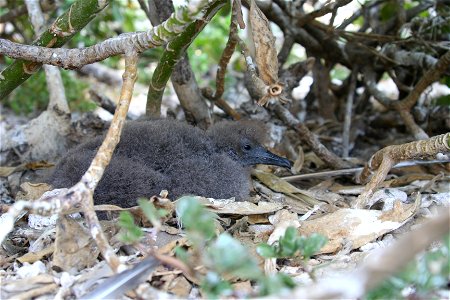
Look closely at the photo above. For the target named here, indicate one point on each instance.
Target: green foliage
(208, 46)
(153, 214)
(291, 245)
(425, 276)
(131, 232)
(198, 222)
(275, 284)
(443, 100)
(33, 94)
(228, 256)
(339, 72)
(224, 255)
(214, 286)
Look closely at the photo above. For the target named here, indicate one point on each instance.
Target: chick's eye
(247, 147)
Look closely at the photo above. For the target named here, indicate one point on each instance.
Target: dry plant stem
(383, 160)
(348, 114)
(259, 88)
(101, 160)
(227, 52)
(221, 103)
(378, 266)
(327, 8)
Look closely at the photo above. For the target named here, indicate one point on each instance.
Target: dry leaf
(357, 227)
(6, 171)
(282, 186)
(32, 191)
(298, 164)
(180, 287)
(74, 246)
(31, 257)
(265, 51)
(281, 220)
(246, 208)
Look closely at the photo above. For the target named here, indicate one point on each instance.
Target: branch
(430, 76)
(174, 50)
(309, 138)
(383, 160)
(348, 113)
(57, 95)
(76, 58)
(327, 8)
(62, 30)
(228, 51)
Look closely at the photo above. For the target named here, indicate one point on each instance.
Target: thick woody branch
(76, 58)
(383, 160)
(62, 30)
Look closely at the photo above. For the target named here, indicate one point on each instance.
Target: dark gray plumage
(167, 154)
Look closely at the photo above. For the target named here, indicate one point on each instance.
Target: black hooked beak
(259, 155)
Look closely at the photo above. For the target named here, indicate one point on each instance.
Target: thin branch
(309, 138)
(227, 52)
(348, 113)
(12, 14)
(428, 78)
(57, 95)
(327, 8)
(383, 160)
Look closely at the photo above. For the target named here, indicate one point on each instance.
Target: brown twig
(404, 106)
(309, 138)
(386, 158)
(227, 52)
(348, 113)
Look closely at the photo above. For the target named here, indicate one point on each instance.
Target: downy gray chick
(167, 154)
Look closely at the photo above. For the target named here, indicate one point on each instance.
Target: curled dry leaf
(231, 207)
(265, 55)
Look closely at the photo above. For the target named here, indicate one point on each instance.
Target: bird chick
(167, 154)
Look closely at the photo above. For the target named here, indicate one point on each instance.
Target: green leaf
(275, 284)
(195, 218)
(229, 256)
(150, 211)
(182, 254)
(312, 244)
(215, 287)
(443, 100)
(265, 250)
(131, 232)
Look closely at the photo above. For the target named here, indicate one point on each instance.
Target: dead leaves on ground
(70, 250)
